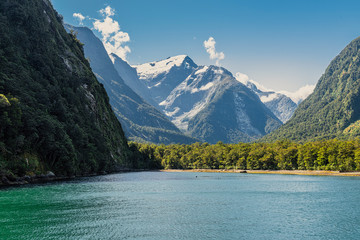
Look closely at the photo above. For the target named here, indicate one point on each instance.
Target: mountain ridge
(196, 91)
(331, 111)
(139, 119)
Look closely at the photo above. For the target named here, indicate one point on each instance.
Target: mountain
(207, 101)
(281, 105)
(54, 114)
(130, 77)
(140, 120)
(332, 110)
(163, 76)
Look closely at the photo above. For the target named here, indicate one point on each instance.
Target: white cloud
(299, 95)
(107, 12)
(112, 36)
(210, 49)
(244, 79)
(80, 17)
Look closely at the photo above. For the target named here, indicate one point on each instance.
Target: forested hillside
(332, 110)
(54, 114)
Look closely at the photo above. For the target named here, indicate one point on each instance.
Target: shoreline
(48, 178)
(284, 172)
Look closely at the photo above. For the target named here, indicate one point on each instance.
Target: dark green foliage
(57, 116)
(332, 110)
(282, 155)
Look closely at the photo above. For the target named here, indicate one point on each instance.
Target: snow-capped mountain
(207, 101)
(163, 76)
(140, 120)
(281, 105)
(193, 94)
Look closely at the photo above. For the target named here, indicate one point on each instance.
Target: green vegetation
(332, 110)
(54, 114)
(332, 155)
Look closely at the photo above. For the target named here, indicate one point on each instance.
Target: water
(159, 205)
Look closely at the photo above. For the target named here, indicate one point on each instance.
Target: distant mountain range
(140, 120)
(170, 100)
(280, 104)
(206, 102)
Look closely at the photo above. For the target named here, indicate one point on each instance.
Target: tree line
(335, 155)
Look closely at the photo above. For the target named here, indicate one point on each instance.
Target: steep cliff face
(332, 110)
(57, 115)
(130, 77)
(140, 120)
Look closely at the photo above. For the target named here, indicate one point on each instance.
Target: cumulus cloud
(80, 17)
(211, 50)
(108, 11)
(300, 95)
(113, 38)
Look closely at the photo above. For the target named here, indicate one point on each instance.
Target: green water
(159, 205)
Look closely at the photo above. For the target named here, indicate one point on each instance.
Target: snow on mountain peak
(244, 79)
(153, 69)
(297, 96)
(269, 98)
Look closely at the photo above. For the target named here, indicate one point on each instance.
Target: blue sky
(283, 45)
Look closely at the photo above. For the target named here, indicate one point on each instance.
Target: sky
(283, 45)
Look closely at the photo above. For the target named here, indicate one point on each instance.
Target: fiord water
(186, 205)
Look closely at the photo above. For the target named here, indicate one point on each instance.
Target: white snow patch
(170, 114)
(197, 84)
(195, 90)
(163, 103)
(207, 86)
(202, 70)
(244, 79)
(218, 71)
(153, 69)
(269, 98)
(243, 120)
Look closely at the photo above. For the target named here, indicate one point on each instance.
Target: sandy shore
(288, 172)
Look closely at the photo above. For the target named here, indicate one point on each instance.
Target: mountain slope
(54, 114)
(233, 114)
(163, 76)
(281, 105)
(140, 120)
(213, 106)
(130, 77)
(332, 110)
